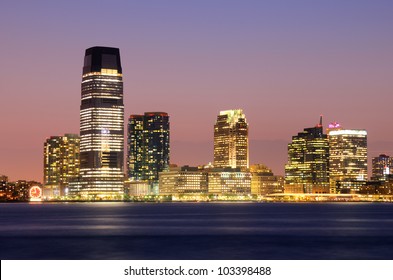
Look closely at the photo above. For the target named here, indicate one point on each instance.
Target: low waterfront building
(136, 188)
(375, 188)
(16, 191)
(349, 186)
(188, 180)
(183, 180)
(229, 181)
(264, 182)
(3, 187)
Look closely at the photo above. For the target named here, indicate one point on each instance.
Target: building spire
(320, 122)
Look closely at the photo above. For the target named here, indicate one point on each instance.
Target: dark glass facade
(148, 146)
(381, 167)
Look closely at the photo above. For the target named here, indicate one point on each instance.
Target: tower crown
(233, 115)
(98, 58)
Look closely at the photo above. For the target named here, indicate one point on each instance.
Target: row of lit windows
(112, 111)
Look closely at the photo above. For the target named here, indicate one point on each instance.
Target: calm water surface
(196, 231)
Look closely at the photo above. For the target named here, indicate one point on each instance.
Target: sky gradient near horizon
(283, 62)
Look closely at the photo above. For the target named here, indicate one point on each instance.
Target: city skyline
(232, 55)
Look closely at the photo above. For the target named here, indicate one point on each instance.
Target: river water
(117, 230)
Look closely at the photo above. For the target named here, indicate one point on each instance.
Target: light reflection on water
(195, 218)
(197, 230)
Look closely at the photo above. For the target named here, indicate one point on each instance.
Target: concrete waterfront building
(264, 182)
(307, 170)
(229, 181)
(101, 126)
(231, 140)
(196, 181)
(136, 188)
(61, 163)
(148, 147)
(348, 159)
(183, 180)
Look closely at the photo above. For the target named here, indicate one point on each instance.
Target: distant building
(61, 163)
(3, 187)
(264, 182)
(382, 167)
(16, 191)
(348, 159)
(307, 170)
(148, 147)
(231, 140)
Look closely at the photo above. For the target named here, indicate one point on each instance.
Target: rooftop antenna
(320, 121)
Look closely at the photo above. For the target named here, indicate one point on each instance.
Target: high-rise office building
(61, 163)
(382, 167)
(348, 159)
(307, 170)
(148, 146)
(231, 140)
(101, 126)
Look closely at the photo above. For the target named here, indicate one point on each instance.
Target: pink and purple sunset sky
(283, 62)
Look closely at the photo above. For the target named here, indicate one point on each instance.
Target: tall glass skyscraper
(348, 159)
(101, 125)
(307, 170)
(231, 140)
(148, 146)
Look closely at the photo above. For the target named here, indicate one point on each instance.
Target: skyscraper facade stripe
(102, 125)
